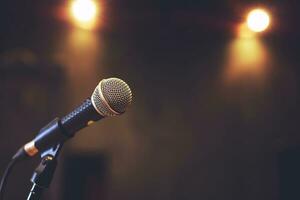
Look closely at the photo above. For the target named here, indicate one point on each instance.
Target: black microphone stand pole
(43, 174)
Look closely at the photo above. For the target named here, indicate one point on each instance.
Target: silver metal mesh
(111, 97)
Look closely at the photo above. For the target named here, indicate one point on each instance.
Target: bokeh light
(243, 31)
(84, 13)
(247, 58)
(258, 20)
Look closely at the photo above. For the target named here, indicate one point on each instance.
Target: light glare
(258, 20)
(84, 12)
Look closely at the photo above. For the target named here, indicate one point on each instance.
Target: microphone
(111, 97)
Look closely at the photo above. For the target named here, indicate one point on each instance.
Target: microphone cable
(5, 176)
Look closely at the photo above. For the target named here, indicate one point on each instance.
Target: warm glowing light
(84, 13)
(84, 10)
(244, 32)
(246, 58)
(258, 20)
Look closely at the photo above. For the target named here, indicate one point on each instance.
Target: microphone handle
(60, 130)
(79, 118)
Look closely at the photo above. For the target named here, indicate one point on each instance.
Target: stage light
(84, 10)
(84, 13)
(258, 20)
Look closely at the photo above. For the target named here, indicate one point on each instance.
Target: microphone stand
(43, 174)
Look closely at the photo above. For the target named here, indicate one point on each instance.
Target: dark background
(190, 133)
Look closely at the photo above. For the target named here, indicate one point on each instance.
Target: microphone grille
(111, 97)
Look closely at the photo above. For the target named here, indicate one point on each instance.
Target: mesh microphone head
(111, 97)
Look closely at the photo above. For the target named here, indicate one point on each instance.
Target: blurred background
(215, 87)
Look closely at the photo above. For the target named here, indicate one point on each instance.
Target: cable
(5, 176)
(21, 154)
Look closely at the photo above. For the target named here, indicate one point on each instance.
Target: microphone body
(62, 129)
(80, 118)
(110, 98)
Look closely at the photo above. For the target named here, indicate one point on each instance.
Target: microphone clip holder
(43, 174)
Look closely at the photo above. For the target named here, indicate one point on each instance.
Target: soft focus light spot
(244, 32)
(84, 13)
(258, 20)
(247, 58)
(84, 10)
